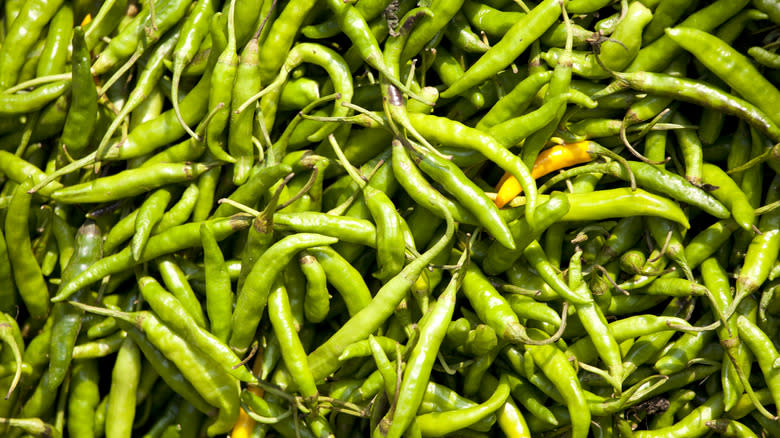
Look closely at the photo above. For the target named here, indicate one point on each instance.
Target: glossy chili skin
(67, 320)
(514, 42)
(22, 35)
(254, 294)
(174, 239)
(731, 66)
(27, 273)
(82, 113)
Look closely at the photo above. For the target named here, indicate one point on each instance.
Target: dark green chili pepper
(172, 240)
(55, 52)
(67, 320)
(82, 113)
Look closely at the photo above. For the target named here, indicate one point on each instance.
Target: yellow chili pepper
(244, 424)
(549, 160)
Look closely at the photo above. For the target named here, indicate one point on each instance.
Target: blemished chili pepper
(692, 424)
(730, 428)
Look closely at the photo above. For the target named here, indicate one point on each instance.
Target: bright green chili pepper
(522, 33)
(22, 35)
(129, 183)
(29, 280)
(729, 65)
(55, 52)
(121, 397)
(253, 295)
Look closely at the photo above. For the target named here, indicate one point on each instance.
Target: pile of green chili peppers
(288, 218)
